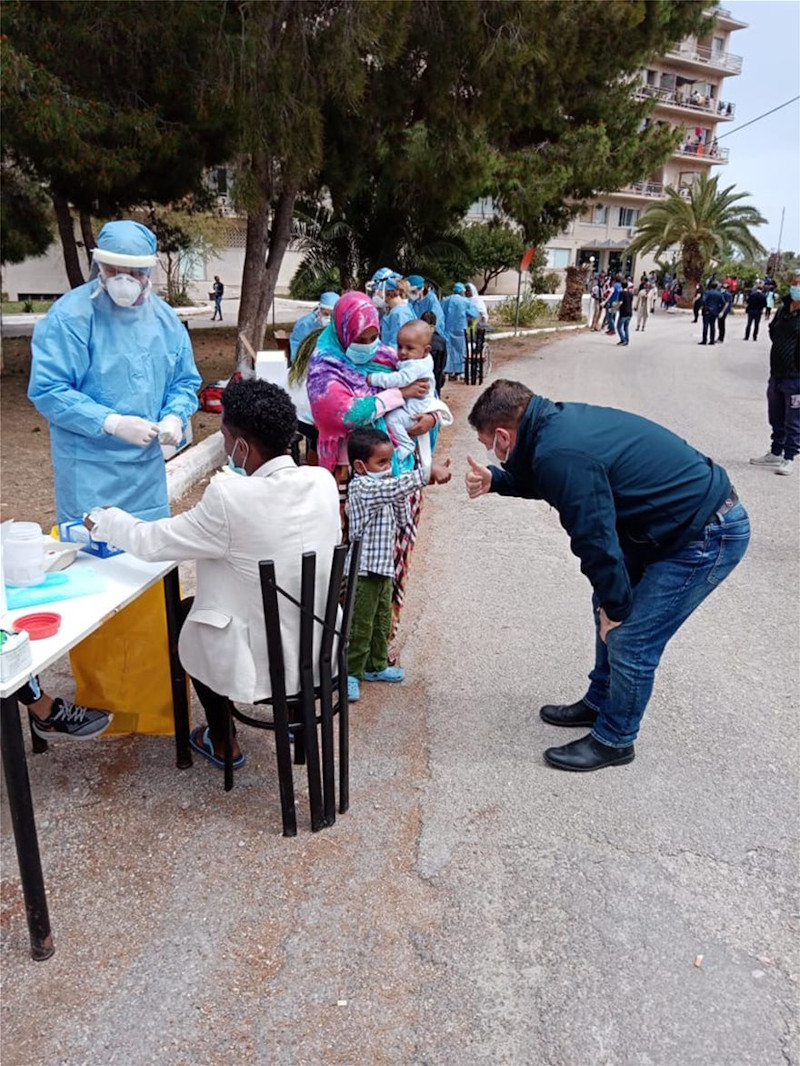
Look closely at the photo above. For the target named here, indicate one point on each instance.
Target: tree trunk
(66, 232)
(694, 268)
(280, 236)
(572, 303)
(255, 264)
(87, 233)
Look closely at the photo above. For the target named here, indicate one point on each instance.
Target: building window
(601, 215)
(557, 258)
(628, 216)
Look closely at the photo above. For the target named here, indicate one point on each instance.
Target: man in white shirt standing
(268, 508)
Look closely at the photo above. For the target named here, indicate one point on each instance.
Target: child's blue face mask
(362, 353)
(379, 473)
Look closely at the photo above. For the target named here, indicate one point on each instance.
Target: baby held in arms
(415, 364)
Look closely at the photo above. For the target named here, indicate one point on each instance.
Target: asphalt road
(474, 906)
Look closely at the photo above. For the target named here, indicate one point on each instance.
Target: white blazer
(278, 513)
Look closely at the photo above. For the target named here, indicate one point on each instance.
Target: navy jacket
(713, 302)
(622, 486)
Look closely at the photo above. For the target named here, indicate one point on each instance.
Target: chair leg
(344, 744)
(228, 747)
(283, 756)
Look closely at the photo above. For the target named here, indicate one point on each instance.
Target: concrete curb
(186, 469)
(532, 332)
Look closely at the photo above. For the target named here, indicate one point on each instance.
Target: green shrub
(532, 312)
(27, 307)
(181, 299)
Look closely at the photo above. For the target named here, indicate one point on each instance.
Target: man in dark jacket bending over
(655, 524)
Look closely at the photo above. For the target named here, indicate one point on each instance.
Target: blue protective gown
(302, 327)
(457, 312)
(430, 303)
(92, 358)
(393, 322)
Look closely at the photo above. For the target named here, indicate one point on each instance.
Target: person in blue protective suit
(114, 375)
(398, 311)
(423, 298)
(458, 311)
(376, 287)
(314, 320)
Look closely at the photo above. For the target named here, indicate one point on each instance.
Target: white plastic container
(23, 554)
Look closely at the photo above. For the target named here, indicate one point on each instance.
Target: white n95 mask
(124, 289)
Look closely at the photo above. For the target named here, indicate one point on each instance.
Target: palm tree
(707, 222)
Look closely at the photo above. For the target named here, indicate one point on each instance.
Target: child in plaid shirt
(377, 506)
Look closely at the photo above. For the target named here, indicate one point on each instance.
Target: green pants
(372, 622)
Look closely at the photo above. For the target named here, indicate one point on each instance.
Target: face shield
(124, 276)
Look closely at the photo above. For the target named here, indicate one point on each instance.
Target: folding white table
(125, 578)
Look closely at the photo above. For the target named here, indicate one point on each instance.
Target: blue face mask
(231, 465)
(362, 353)
(379, 473)
(794, 292)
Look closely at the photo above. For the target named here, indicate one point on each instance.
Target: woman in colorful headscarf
(347, 350)
(341, 399)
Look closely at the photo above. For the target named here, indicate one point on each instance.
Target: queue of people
(635, 524)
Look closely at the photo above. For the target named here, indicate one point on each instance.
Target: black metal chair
(302, 717)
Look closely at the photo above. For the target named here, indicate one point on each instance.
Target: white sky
(765, 157)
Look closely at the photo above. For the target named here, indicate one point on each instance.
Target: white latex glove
(170, 430)
(131, 428)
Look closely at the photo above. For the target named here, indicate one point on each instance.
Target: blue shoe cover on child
(353, 689)
(391, 673)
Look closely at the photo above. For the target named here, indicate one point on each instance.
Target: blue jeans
(664, 595)
(623, 328)
(612, 320)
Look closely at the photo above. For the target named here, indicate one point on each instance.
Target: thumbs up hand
(478, 479)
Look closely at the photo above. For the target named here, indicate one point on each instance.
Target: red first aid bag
(210, 396)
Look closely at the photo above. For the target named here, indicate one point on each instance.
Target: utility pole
(780, 238)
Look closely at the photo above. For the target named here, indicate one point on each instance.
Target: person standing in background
(315, 320)
(713, 305)
(726, 310)
(783, 388)
(398, 311)
(756, 304)
(217, 291)
(625, 315)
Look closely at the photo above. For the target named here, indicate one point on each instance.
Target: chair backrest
(271, 594)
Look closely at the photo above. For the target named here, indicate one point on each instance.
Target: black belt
(730, 502)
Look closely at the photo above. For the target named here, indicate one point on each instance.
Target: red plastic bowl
(39, 626)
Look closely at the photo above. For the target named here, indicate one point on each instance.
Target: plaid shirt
(377, 508)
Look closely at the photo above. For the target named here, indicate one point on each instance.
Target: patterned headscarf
(353, 313)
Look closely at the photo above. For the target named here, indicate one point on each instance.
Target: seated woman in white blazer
(274, 510)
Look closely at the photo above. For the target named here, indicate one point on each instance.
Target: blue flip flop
(200, 741)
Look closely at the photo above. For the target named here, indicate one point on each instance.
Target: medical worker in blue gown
(398, 311)
(316, 319)
(458, 311)
(114, 375)
(423, 298)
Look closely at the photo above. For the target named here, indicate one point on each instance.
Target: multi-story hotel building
(691, 92)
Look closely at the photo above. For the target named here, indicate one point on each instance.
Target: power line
(758, 118)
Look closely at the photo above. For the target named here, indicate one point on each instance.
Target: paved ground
(474, 906)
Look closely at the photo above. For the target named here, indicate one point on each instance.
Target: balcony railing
(708, 57)
(692, 101)
(654, 190)
(711, 152)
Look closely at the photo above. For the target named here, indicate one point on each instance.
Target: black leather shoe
(568, 714)
(588, 754)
